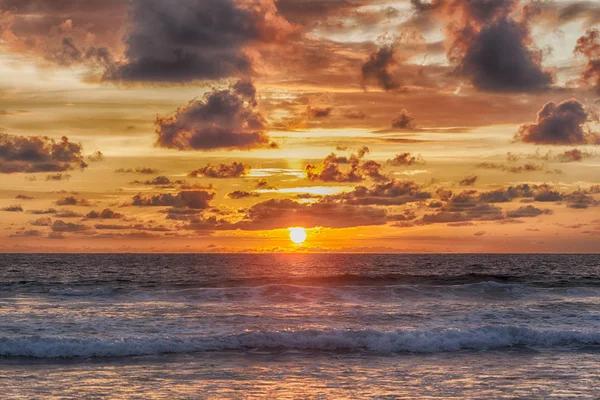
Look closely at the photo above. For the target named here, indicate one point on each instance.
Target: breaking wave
(330, 340)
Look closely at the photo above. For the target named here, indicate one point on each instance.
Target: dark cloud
(221, 171)
(580, 10)
(284, 213)
(38, 154)
(469, 180)
(42, 222)
(191, 199)
(355, 114)
(65, 32)
(557, 124)
(547, 194)
(490, 45)
(182, 40)
(527, 212)
(58, 177)
(573, 155)
(515, 169)
(12, 209)
(319, 112)
(404, 120)
(589, 46)
(377, 69)
(541, 193)
(26, 234)
(23, 197)
(580, 200)
(264, 185)
(96, 156)
(139, 170)
(384, 194)
(72, 201)
(60, 226)
(139, 227)
(104, 214)
(160, 181)
(455, 211)
(406, 159)
(223, 119)
(43, 212)
(329, 170)
(67, 214)
(470, 205)
(241, 194)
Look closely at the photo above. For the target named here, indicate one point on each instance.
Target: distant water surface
(299, 326)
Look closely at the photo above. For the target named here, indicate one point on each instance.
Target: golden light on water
(297, 235)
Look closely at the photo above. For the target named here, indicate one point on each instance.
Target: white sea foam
(417, 341)
(81, 292)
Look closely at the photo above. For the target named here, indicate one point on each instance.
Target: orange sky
(379, 126)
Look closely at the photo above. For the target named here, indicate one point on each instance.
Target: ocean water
(299, 326)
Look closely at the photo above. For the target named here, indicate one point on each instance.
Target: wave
(81, 292)
(283, 293)
(424, 279)
(330, 340)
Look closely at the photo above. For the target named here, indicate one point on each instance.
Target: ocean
(299, 326)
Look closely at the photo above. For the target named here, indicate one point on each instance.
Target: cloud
(384, 194)
(161, 181)
(455, 211)
(587, 10)
(43, 212)
(12, 209)
(283, 213)
(138, 170)
(404, 120)
(329, 170)
(198, 199)
(58, 177)
(490, 45)
(222, 171)
(471, 205)
(38, 154)
(406, 159)
(559, 124)
(263, 184)
(72, 201)
(573, 155)
(104, 214)
(580, 200)
(64, 33)
(182, 40)
(61, 226)
(97, 156)
(377, 69)
(319, 112)
(42, 222)
(67, 214)
(515, 169)
(241, 194)
(589, 46)
(527, 212)
(23, 197)
(26, 234)
(223, 119)
(469, 180)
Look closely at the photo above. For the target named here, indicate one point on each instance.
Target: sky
(375, 125)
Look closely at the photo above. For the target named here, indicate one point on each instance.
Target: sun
(298, 235)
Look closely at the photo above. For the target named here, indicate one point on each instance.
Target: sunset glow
(372, 117)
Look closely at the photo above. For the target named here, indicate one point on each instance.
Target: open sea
(299, 326)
